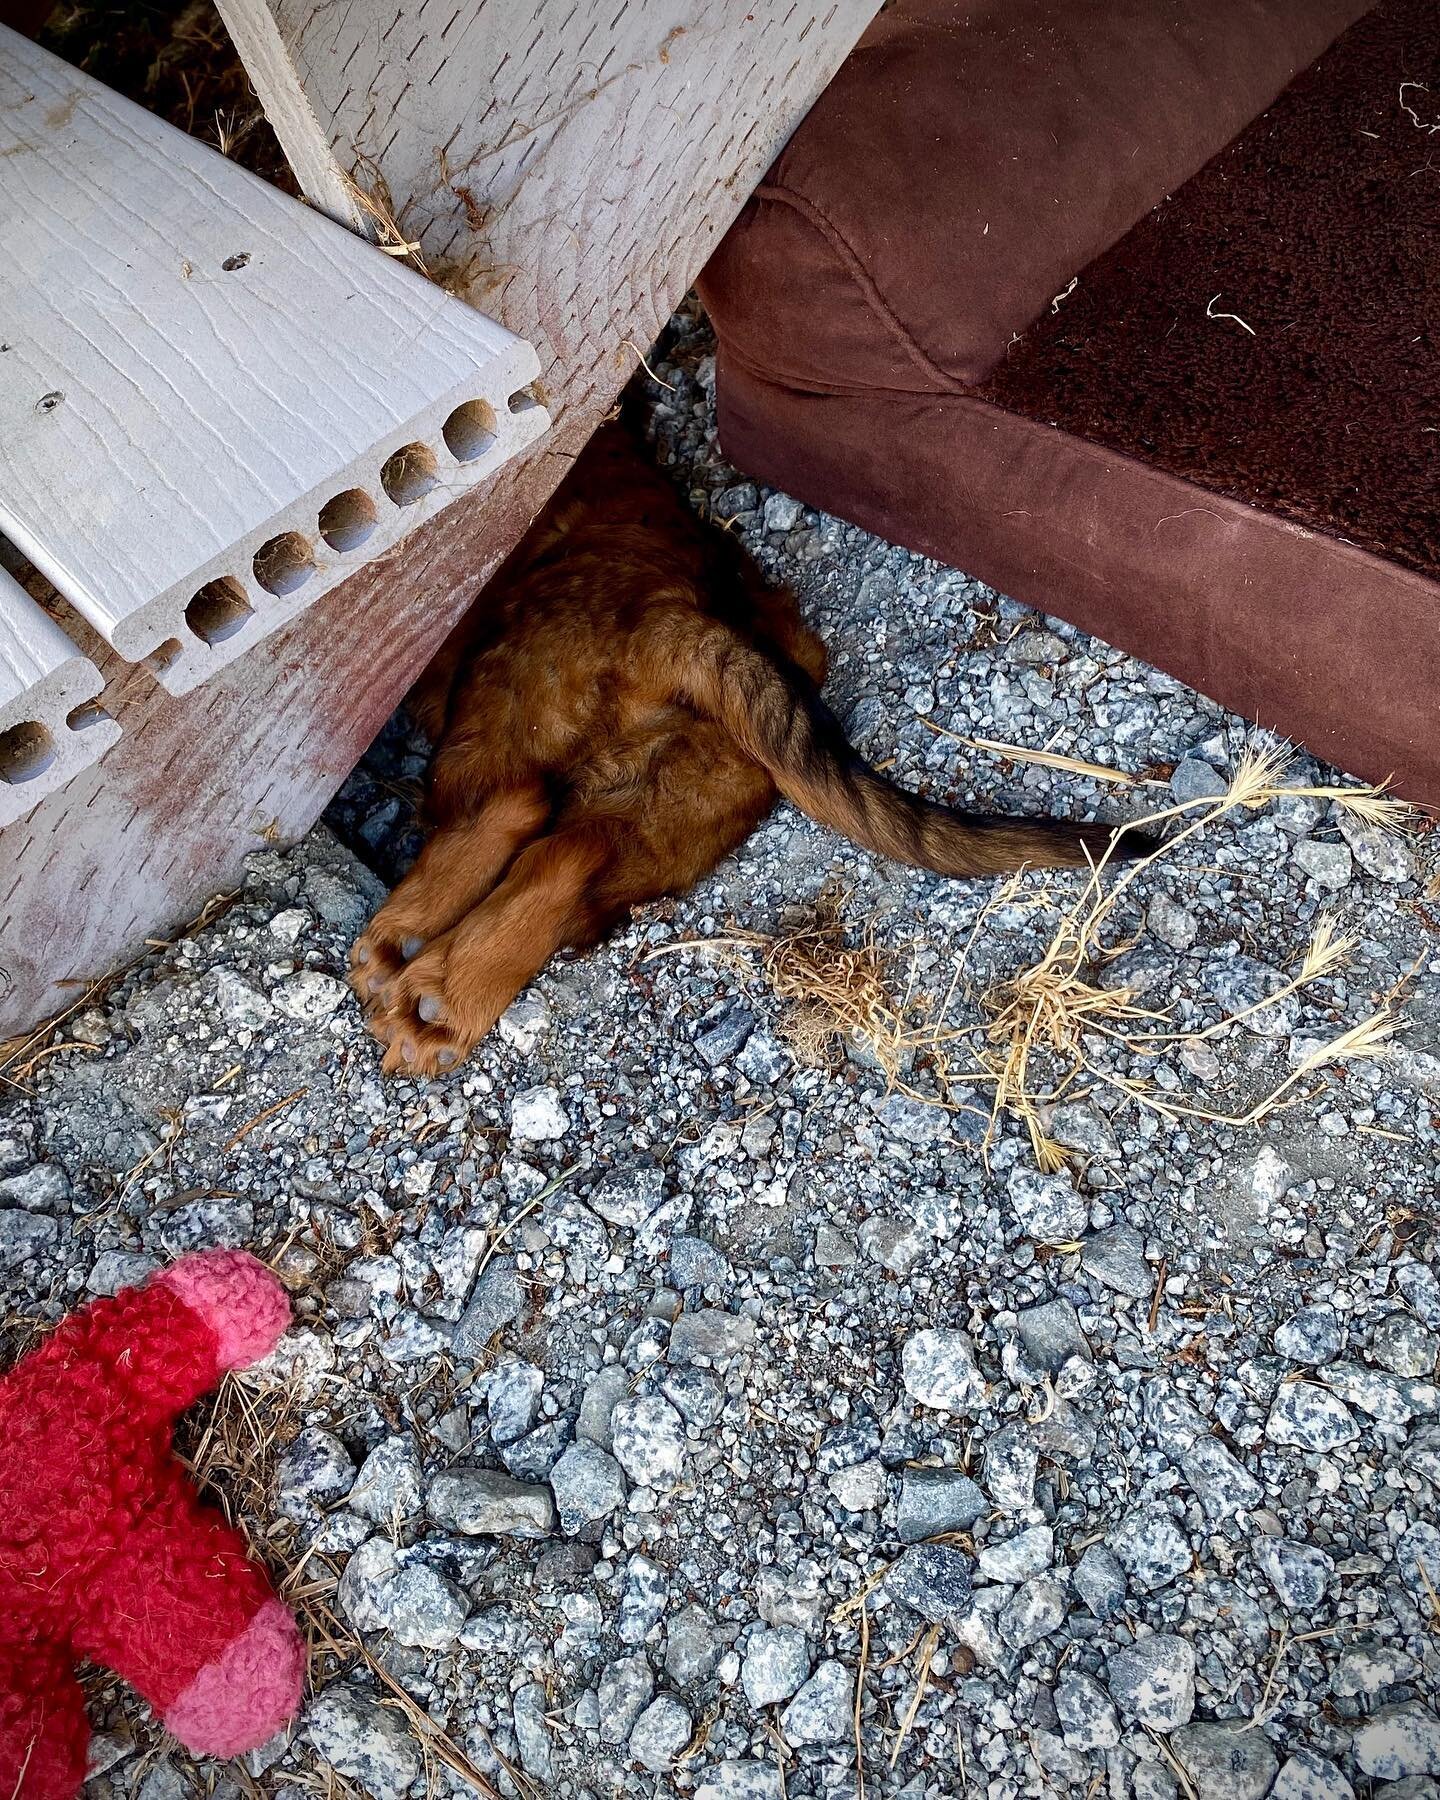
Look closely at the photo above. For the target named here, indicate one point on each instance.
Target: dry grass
(834, 990)
(1034, 1048)
(1031, 1044)
(181, 65)
(371, 193)
(233, 1449)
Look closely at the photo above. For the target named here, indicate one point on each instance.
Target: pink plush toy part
(107, 1552)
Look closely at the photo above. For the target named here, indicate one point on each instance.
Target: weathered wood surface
(48, 731)
(637, 160)
(215, 404)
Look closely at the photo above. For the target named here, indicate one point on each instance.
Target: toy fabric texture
(106, 1551)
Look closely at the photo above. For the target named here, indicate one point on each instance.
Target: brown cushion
(1320, 640)
(1253, 513)
(1319, 231)
(971, 157)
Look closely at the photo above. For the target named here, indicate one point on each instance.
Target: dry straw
(1033, 1041)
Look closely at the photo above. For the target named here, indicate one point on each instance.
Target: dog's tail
(775, 714)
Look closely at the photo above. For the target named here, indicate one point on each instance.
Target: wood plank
(49, 731)
(216, 403)
(585, 249)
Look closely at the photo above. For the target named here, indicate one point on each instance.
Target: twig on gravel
(1047, 759)
(1162, 1275)
(922, 1681)
(268, 1112)
(1043, 1014)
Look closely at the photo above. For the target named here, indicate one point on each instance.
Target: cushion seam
(861, 276)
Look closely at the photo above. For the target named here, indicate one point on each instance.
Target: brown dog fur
(616, 716)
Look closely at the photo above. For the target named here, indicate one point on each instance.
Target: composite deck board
(215, 403)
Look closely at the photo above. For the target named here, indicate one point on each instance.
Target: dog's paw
(419, 1030)
(377, 957)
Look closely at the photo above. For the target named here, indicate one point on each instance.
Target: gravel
(635, 1358)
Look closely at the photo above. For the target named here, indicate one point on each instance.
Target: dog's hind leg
(449, 995)
(458, 867)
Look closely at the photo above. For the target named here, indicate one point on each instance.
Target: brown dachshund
(616, 715)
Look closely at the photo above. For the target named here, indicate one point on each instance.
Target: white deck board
(49, 731)
(196, 365)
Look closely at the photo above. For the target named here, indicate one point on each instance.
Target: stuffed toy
(106, 1551)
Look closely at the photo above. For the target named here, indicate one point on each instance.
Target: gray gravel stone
(1028, 1552)
(1196, 780)
(933, 1501)
(721, 1041)
(1100, 1581)
(1383, 854)
(25, 1235)
(1222, 1483)
(588, 1485)
(939, 1369)
(1307, 1776)
(495, 1303)
(314, 1473)
(1153, 1682)
(1225, 1762)
(625, 1690)
(649, 1440)
(485, 1503)
(1036, 1610)
(1116, 1256)
(1310, 1418)
(1051, 1335)
(661, 1732)
(777, 1663)
(1421, 1288)
(1330, 866)
(1401, 1344)
(117, 1269)
(1399, 1741)
(1087, 1713)
(932, 1580)
(1312, 1335)
(693, 1646)
(1151, 1547)
(537, 1116)
(364, 1741)
(1171, 922)
(1047, 1206)
(424, 1609)
(712, 1336)
(740, 1780)
(821, 1712)
(45, 1188)
(532, 1732)
(603, 1393)
(627, 1196)
(512, 1394)
(643, 1600)
(388, 1486)
(1299, 1573)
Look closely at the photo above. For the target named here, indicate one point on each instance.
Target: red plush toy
(105, 1550)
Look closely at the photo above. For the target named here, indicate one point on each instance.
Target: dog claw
(446, 1059)
(428, 1008)
(411, 947)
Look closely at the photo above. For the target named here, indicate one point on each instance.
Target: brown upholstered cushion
(1319, 230)
(1254, 514)
(972, 156)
